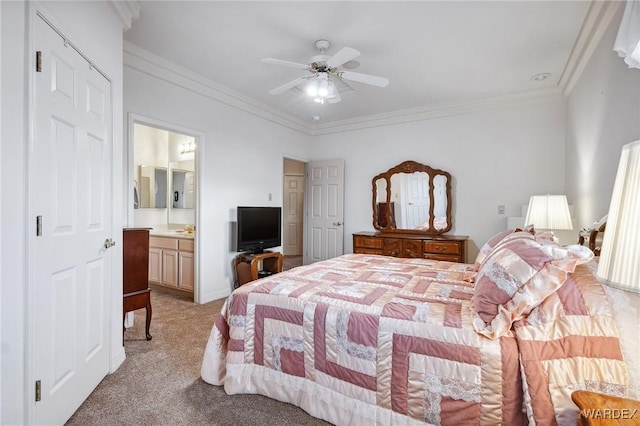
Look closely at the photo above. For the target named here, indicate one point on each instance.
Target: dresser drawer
(367, 242)
(359, 250)
(445, 257)
(164, 243)
(442, 247)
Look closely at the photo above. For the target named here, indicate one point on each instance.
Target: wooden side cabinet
(171, 262)
(249, 267)
(135, 268)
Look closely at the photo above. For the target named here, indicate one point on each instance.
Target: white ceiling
(434, 53)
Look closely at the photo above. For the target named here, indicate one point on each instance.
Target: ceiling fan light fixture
(325, 73)
(333, 90)
(323, 85)
(312, 88)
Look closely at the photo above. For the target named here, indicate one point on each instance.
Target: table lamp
(549, 212)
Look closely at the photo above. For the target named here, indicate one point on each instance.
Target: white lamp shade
(549, 212)
(619, 264)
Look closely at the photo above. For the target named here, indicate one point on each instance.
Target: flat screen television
(259, 228)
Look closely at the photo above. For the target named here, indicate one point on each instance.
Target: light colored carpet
(159, 383)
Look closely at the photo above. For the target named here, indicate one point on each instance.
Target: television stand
(251, 266)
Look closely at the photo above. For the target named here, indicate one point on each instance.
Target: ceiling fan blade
(365, 78)
(285, 63)
(345, 54)
(287, 86)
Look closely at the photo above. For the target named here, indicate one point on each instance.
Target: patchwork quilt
(571, 342)
(362, 339)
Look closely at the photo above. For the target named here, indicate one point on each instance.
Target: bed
(368, 339)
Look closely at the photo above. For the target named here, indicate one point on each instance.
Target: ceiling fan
(326, 74)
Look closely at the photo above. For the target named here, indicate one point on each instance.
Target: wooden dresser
(451, 248)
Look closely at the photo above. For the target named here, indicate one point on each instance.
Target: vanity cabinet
(451, 248)
(171, 262)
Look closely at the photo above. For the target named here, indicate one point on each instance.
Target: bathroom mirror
(152, 184)
(182, 194)
(412, 197)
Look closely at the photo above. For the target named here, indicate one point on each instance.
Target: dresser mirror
(412, 197)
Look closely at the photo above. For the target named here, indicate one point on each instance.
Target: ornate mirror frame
(384, 219)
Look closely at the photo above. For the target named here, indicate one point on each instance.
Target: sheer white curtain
(628, 40)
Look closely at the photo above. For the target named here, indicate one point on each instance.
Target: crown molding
(128, 11)
(155, 66)
(439, 111)
(595, 24)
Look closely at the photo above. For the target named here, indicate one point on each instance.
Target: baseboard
(117, 360)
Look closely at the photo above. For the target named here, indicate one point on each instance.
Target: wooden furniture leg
(138, 300)
(148, 322)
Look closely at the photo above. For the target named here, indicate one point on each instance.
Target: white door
(70, 192)
(293, 206)
(325, 210)
(417, 197)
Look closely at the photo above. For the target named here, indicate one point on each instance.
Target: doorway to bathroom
(163, 176)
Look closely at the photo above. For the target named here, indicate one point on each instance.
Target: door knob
(337, 223)
(108, 243)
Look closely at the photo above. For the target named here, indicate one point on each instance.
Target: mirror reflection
(165, 177)
(412, 196)
(152, 183)
(182, 185)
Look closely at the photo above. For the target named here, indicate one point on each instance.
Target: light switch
(500, 209)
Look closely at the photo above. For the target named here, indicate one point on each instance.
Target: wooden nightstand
(599, 409)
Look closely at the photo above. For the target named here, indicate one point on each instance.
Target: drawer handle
(441, 248)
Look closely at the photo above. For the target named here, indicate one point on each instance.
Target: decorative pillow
(494, 241)
(516, 277)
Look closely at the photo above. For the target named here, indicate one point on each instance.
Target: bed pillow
(497, 239)
(516, 277)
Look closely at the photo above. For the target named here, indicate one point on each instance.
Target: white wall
(603, 113)
(13, 145)
(496, 157)
(243, 163)
(96, 30)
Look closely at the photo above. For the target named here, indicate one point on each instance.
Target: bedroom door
(70, 194)
(293, 207)
(325, 210)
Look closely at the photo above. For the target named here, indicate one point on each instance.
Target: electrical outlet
(270, 197)
(500, 209)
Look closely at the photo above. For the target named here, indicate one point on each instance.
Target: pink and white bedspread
(363, 339)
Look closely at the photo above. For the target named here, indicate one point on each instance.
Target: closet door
(70, 190)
